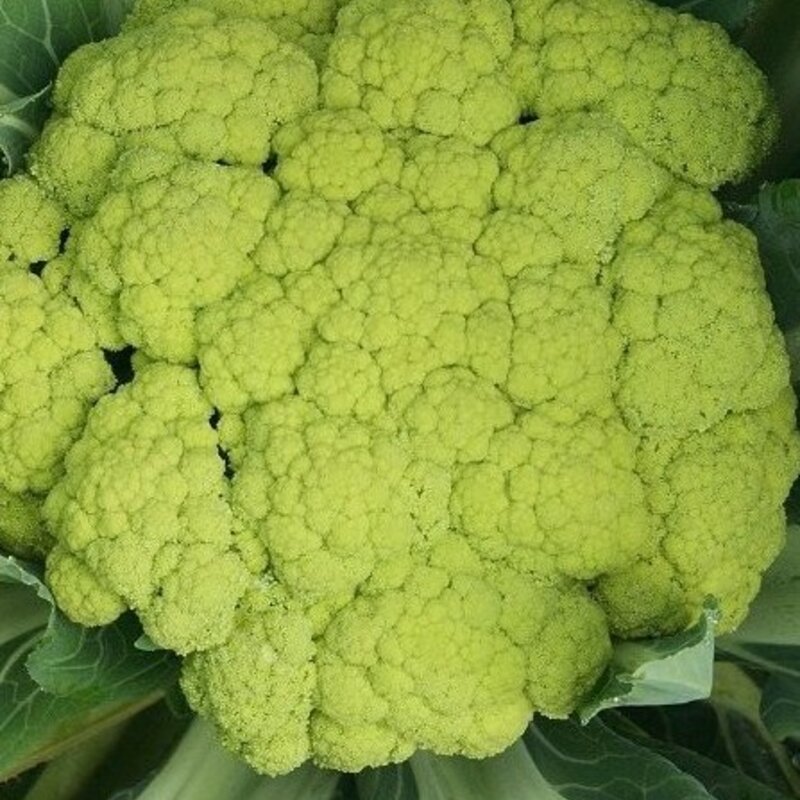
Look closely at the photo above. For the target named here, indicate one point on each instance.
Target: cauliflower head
(387, 358)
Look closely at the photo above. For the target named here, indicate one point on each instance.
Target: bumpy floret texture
(308, 23)
(144, 480)
(446, 367)
(51, 372)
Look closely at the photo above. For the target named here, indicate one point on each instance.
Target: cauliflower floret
(452, 416)
(143, 516)
(690, 300)
(609, 181)
(445, 662)
(31, 224)
(172, 237)
(215, 89)
(82, 184)
(673, 82)
(717, 498)
(406, 300)
(271, 648)
(335, 155)
(306, 23)
(327, 496)
(512, 505)
(434, 67)
(51, 371)
(22, 529)
(250, 345)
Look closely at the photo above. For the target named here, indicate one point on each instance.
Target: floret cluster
(446, 366)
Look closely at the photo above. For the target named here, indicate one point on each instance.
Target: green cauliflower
(446, 367)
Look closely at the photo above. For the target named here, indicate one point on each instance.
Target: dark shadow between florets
(268, 167)
(121, 363)
(214, 421)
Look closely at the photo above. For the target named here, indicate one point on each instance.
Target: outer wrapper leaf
(199, 769)
(769, 639)
(721, 780)
(592, 762)
(395, 781)
(769, 643)
(555, 760)
(780, 707)
(774, 216)
(35, 37)
(653, 672)
(731, 14)
(59, 682)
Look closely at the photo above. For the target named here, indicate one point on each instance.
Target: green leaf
(200, 769)
(346, 788)
(513, 773)
(65, 777)
(769, 642)
(774, 615)
(59, 682)
(144, 642)
(395, 782)
(774, 216)
(780, 707)
(16, 571)
(592, 762)
(35, 37)
(21, 119)
(71, 659)
(769, 638)
(554, 760)
(771, 658)
(142, 745)
(727, 729)
(721, 780)
(772, 38)
(652, 672)
(751, 747)
(21, 614)
(731, 14)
